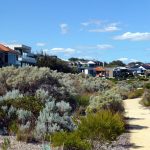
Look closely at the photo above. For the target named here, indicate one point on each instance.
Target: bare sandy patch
(139, 124)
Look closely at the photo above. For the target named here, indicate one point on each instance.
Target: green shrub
(142, 79)
(21, 136)
(113, 80)
(109, 100)
(83, 100)
(123, 88)
(135, 94)
(102, 126)
(146, 98)
(25, 136)
(71, 141)
(54, 64)
(147, 85)
(5, 144)
(13, 127)
(29, 103)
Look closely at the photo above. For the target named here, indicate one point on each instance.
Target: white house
(25, 56)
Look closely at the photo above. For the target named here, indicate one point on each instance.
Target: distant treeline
(114, 63)
(55, 63)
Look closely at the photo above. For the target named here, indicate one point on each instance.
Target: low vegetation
(74, 110)
(136, 93)
(146, 98)
(101, 126)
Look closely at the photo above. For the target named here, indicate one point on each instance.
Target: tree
(132, 64)
(76, 59)
(54, 63)
(116, 63)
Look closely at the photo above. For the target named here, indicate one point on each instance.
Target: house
(25, 56)
(100, 72)
(139, 69)
(7, 56)
(122, 73)
(109, 72)
(87, 67)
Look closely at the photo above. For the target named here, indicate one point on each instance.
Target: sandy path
(139, 124)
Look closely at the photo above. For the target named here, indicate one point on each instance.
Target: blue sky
(95, 29)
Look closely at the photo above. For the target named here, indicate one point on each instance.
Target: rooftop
(100, 69)
(7, 49)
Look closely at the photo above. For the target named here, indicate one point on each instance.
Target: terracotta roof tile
(7, 49)
(100, 69)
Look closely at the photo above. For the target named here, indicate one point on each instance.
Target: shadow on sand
(132, 145)
(135, 127)
(129, 119)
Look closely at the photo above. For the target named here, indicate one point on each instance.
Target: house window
(6, 58)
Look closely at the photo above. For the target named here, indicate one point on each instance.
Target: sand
(139, 124)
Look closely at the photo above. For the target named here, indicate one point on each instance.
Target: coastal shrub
(7, 116)
(54, 117)
(136, 93)
(109, 100)
(22, 136)
(20, 110)
(25, 136)
(42, 94)
(101, 126)
(82, 104)
(29, 103)
(83, 100)
(142, 78)
(70, 141)
(15, 77)
(92, 84)
(5, 144)
(23, 115)
(14, 94)
(123, 88)
(147, 86)
(146, 98)
(13, 127)
(2, 89)
(68, 81)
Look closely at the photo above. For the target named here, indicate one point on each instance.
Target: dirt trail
(139, 124)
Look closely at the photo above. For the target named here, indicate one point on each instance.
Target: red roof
(7, 49)
(100, 69)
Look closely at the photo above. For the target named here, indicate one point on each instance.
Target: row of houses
(17, 55)
(93, 68)
(21, 55)
(97, 69)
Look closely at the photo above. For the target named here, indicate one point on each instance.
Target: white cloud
(127, 60)
(91, 22)
(133, 60)
(107, 28)
(98, 46)
(123, 59)
(137, 36)
(112, 27)
(64, 28)
(40, 44)
(63, 50)
(104, 46)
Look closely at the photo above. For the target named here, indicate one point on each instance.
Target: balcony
(27, 59)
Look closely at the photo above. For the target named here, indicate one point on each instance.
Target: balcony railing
(27, 59)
